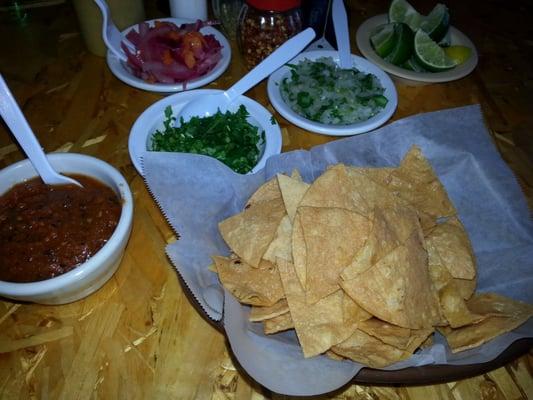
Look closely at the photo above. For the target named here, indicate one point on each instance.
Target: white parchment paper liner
(196, 192)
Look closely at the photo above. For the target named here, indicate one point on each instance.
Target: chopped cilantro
(381, 100)
(228, 137)
(294, 75)
(304, 99)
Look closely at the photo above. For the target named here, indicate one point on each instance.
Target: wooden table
(139, 337)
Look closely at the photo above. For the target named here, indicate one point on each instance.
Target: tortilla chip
(466, 287)
(262, 313)
(427, 222)
(292, 191)
(378, 175)
(373, 194)
(250, 232)
(503, 315)
(299, 251)
(334, 189)
(496, 304)
(353, 312)
(266, 192)
(427, 343)
(418, 338)
(397, 289)
(281, 245)
(452, 304)
(454, 308)
(450, 240)
(366, 349)
(390, 228)
(401, 338)
(390, 334)
(334, 356)
(416, 182)
(440, 276)
(295, 174)
(350, 188)
(277, 324)
(318, 326)
(332, 238)
(255, 286)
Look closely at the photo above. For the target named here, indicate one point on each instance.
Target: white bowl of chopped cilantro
(243, 139)
(314, 93)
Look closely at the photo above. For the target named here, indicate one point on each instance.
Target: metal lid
(274, 5)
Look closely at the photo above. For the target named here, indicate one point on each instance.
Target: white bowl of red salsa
(60, 244)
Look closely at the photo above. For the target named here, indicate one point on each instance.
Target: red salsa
(46, 230)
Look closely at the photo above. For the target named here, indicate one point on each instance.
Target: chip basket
(423, 375)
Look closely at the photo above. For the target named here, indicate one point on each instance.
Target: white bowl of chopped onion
(169, 73)
(314, 93)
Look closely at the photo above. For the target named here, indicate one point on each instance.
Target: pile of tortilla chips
(364, 263)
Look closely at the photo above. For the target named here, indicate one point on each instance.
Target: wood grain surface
(139, 337)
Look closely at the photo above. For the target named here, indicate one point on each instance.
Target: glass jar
(227, 12)
(264, 25)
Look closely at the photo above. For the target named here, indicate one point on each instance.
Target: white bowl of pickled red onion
(172, 63)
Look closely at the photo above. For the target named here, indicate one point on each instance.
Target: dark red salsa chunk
(46, 230)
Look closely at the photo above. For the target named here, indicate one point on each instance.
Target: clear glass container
(264, 25)
(227, 12)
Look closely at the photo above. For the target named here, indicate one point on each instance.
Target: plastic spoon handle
(12, 115)
(286, 52)
(340, 24)
(110, 33)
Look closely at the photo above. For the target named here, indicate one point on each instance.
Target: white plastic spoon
(110, 33)
(12, 115)
(208, 105)
(342, 34)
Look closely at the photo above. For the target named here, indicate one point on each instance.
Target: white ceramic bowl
(91, 275)
(274, 82)
(411, 77)
(123, 72)
(152, 119)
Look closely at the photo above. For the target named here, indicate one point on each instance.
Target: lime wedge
(437, 22)
(413, 65)
(402, 11)
(404, 44)
(459, 54)
(383, 39)
(430, 55)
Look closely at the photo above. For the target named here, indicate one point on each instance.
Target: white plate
(456, 37)
(361, 64)
(123, 72)
(152, 119)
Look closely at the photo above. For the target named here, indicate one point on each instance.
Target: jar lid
(274, 5)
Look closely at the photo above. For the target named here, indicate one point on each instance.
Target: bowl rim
(117, 68)
(362, 38)
(120, 233)
(142, 126)
(334, 130)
